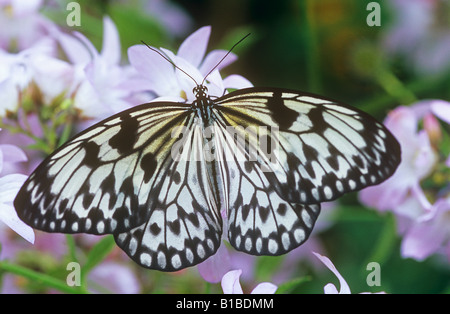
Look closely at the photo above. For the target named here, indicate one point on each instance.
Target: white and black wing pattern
(119, 176)
(186, 227)
(260, 221)
(103, 180)
(315, 150)
(320, 149)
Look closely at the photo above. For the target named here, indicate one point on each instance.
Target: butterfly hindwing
(186, 227)
(260, 222)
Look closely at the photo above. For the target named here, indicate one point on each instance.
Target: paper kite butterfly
(162, 177)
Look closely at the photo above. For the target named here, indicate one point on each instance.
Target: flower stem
(46, 280)
(394, 87)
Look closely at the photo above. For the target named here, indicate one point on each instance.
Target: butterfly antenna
(170, 61)
(226, 55)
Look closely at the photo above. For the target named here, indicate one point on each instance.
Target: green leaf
(386, 241)
(135, 25)
(291, 285)
(97, 254)
(35, 276)
(266, 266)
(71, 248)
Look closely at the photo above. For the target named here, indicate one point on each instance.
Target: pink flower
(418, 160)
(215, 267)
(21, 22)
(230, 284)
(114, 278)
(429, 233)
(100, 83)
(160, 77)
(421, 214)
(36, 64)
(173, 18)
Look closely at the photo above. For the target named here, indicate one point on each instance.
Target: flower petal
(265, 288)
(421, 241)
(213, 58)
(429, 232)
(111, 42)
(25, 7)
(193, 48)
(236, 81)
(9, 97)
(330, 289)
(441, 109)
(115, 277)
(9, 216)
(345, 289)
(215, 267)
(230, 282)
(9, 186)
(75, 50)
(87, 43)
(52, 76)
(152, 67)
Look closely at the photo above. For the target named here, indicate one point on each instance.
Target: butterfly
(167, 178)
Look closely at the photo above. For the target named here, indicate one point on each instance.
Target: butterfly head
(200, 91)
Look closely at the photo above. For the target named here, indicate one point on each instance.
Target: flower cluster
(418, 193)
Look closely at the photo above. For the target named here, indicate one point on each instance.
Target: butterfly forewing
(323, 149)
(106, 178)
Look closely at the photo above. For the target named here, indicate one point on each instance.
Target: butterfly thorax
(202, 104)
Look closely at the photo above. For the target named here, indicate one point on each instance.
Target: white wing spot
(258, 245)
(285, 240)
(176, 261)
(133, 246)
(306, 219)
(328, 192)
(201, 251)
(273, 246)
(146, 259)
(299, 235)
(162, 262)
(351, 184)
(248, 244)
(100, 227)
(189, 255)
